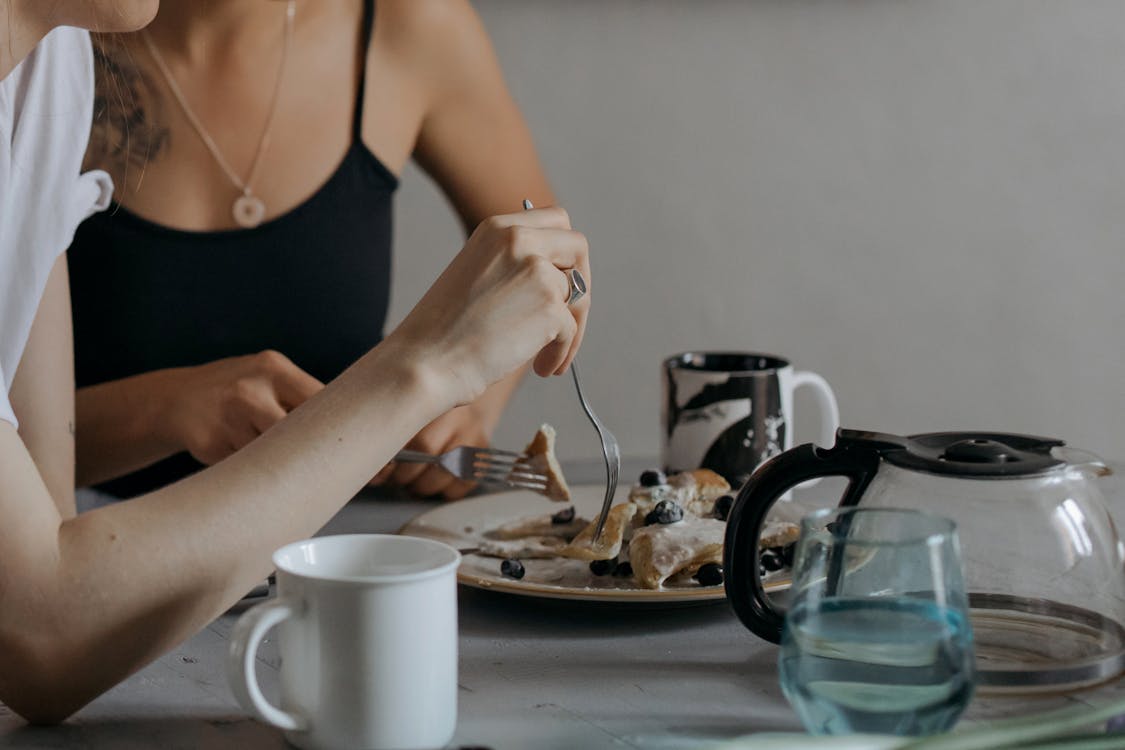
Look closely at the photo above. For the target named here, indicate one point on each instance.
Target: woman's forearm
(118, 427)
(129, 581)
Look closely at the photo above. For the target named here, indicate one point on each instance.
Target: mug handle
(826, 400)
(244, 641)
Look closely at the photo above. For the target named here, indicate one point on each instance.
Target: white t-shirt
(46, 107)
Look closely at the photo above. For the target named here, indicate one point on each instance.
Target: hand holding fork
(611, 451)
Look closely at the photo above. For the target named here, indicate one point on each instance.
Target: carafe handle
(744, 525)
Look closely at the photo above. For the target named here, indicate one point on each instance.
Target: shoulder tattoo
(128, 129)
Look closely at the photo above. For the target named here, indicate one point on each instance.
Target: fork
(610, 449)
(484, 465)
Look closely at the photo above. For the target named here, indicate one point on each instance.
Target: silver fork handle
(416, 457)
(611, 485)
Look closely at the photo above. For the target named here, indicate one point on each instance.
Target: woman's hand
(217, 408)
(461, 426)
(501, 302)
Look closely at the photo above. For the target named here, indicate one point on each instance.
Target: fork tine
(518, 483)
(495, 452)
(504, 476)
(526, 486)
(530, 476)
(488, 464)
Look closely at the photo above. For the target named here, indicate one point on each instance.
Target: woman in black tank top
(193, 335)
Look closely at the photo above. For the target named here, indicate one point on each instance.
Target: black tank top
(313, 283)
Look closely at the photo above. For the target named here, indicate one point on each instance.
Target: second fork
(484, 465)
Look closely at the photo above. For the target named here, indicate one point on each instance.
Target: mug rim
(677, 361)
(437, 569)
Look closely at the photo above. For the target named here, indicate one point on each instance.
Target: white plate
(463, 523)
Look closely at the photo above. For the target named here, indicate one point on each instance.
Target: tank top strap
(368, 29)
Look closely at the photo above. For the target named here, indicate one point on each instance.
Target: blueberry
(667, 511)
(652, 477)
(512, 568)
(722, 507)
(566, 515)
(710, 574)
(787, 553)
(623, 570)
(770, 560)
(603, 567)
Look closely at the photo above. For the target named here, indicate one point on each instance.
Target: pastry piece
(778, 534)
(540, 453)
(544, 525)
(646, 498)
(708, 488)
(660, 551)
(694, 491)
(583, 546)
(527, 548)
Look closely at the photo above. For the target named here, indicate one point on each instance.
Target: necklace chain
(245, 186)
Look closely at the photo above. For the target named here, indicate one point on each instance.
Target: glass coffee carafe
(1043, 565)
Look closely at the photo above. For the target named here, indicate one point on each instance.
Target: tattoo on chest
(129, 129)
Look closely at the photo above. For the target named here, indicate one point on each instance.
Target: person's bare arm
(85, 601)
(210, 411)
(117, 427)
(42, 394)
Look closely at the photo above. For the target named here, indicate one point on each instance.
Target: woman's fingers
(433, 481)
(565, 248)
(405, 473)
(552, 358)
(550, 217)
(294, 386)
(240, 434)
(265, 412)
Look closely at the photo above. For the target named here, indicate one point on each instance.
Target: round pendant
(248, 211)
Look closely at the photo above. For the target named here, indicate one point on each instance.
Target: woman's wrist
(158, 395)
(427, 370)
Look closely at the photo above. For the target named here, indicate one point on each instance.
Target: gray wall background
(924, 201)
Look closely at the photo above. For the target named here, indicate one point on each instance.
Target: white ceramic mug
(732, 411)
(368, 642)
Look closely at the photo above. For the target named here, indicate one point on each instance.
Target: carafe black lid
(964, 454)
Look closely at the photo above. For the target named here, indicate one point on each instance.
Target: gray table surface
(533, 674)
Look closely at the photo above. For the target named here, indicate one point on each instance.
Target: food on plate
(527, 548)
(563, 525)
(669, 532)
(665, 512)
(779, 534)
(608, 544)
(710, 574)
(694, 491)
(661, 551)
(540, 457)
(722, 507)
(512, 568)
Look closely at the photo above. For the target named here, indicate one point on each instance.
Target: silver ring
(577, 286)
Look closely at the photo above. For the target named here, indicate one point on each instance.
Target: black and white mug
(732, 411)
